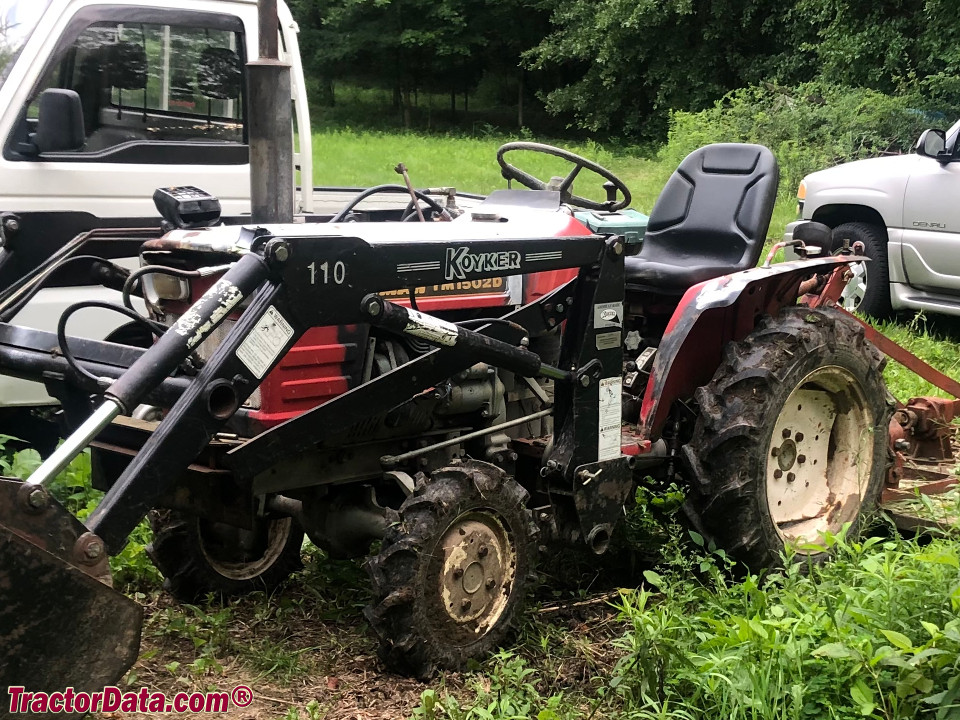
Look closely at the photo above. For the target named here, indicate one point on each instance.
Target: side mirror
(59, 122)
(932, 144)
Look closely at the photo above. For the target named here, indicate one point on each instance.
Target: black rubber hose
(379, 189)
(148, 270)
(154, 328)
(12, 311)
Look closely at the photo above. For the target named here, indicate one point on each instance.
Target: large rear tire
(198, 557)
(451, 576)
(791, 440)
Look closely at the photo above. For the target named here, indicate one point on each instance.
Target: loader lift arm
(279, 278)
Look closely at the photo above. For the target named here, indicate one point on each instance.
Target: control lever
(611, 190)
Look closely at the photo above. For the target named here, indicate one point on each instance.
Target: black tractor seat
(710, 219)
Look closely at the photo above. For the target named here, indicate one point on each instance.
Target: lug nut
(774, 451)
(559, 307)
(491, 583)
(791, 477)
(457, 573)
(799, 437)
(785, 433)
(801, 459)
(465, 605)
(778, 473)
(482, 551)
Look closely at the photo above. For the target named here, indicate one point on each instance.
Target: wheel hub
(240, 554)
(820, 450)
(478, 570)
(854, 291)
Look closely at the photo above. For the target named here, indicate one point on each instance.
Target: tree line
(619, 67)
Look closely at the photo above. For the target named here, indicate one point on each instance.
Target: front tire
(451, 576)
(868, 292)
(198, 557)
(791, 440)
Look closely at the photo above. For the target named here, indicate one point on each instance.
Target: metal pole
(267, 16)
(75, 444)
(269, 98)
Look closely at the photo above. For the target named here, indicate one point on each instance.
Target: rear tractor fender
(711, 315)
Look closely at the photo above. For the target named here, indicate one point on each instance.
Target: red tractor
(338, 379)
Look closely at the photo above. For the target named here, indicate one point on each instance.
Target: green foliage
(620, 67)
(890, 45)
(628, 63)
(808, 127)
(872, 634)
(412, 45)
(508, 691)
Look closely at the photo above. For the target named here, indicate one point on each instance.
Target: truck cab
(903, 210)
(103, 103)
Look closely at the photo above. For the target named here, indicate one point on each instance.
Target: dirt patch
(307, 652)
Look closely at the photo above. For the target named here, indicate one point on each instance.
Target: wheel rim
(477, 568)
(819, 458)
(855, 290)
(240, 554)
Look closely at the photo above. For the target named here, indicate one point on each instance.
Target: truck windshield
(18, 18)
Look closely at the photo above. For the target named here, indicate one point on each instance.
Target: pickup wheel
(452, 574)
(791, 440)
(198, 557)
(868, 292)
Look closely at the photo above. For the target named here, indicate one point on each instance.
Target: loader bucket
(61, 624)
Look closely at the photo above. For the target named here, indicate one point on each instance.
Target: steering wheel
(512, 172)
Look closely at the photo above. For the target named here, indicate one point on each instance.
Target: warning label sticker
(265, 342)
(609, 432)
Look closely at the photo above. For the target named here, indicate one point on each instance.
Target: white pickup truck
(904, 210)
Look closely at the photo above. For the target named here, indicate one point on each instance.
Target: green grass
(363, 158)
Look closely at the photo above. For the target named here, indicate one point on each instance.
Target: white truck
(103, 103)
(903, 209)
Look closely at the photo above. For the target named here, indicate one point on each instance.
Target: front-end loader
(467, 444)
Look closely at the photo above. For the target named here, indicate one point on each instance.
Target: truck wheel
(198, 557)
(869, 290)
(451, 575)
(791, 440)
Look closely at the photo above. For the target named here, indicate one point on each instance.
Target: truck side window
(140, 83)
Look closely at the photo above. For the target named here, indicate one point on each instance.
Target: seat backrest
(715, 209)
(219, 74)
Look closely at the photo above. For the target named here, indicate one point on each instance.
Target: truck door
(931, 220)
